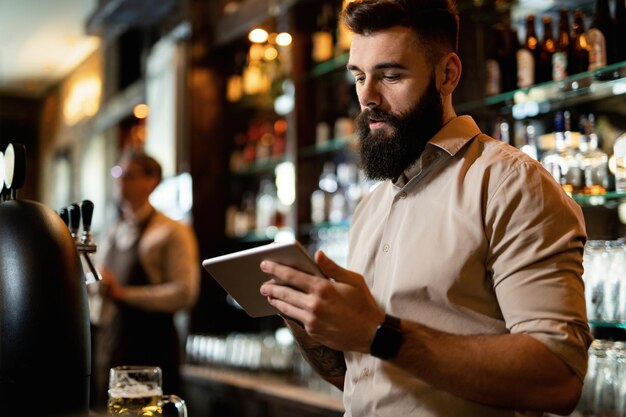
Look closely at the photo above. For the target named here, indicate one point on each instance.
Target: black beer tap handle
(74, 214)
(64, 216)
(86, 211)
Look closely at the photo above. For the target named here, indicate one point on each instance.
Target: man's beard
(386, 152)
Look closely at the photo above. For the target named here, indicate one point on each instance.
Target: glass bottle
(619, 154)
(530, 142)
(620, 30)
(507, 46)
(561, 57)
(527, 55)
(593, 162)
(601, 36)
(546, 51)
(323, 43)
(266, 206)
(580, 45)
(493, 73)
(561, 161)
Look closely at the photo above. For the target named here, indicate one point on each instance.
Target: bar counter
(213, 392)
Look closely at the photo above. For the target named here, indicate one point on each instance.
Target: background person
(150, 271)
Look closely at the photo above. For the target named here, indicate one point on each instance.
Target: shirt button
(402, 195)
(365, 372)
(386, 247)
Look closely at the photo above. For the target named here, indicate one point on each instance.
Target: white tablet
(240, 273)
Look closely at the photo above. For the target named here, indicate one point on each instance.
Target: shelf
(261, 166)
(541, 98)
(333, 145)
(607, 324)
(598, 200)
(338, 62)
(325, 226)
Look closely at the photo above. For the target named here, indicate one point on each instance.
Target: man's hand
(339, 312)
(111, 288)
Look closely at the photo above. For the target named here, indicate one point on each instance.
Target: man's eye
(391, 77)
(359, 78)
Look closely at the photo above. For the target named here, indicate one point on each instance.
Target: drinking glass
(137, 391)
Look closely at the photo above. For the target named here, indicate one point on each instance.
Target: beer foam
(135, 391)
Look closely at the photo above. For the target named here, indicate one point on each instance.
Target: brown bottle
(562, 51)
(527, 56)
(546, 51)
(601, 37)
(580, 46)
(620, 31)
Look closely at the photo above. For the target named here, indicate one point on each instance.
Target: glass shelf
(333, 145)
(338, 62)
(310, 227)
(260, 166)
(541, 98)
(607, 324)
(598, 200)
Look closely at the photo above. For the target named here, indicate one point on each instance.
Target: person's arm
(512, 371)
(326, 362)
(174, 260)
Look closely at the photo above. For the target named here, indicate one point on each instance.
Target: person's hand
(111, 288)
(340, 312)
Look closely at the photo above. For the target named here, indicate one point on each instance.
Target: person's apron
(136, 336)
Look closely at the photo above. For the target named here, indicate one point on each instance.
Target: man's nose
(369, 96)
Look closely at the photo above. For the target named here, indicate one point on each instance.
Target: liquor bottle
(620, 30)
(530, 141)
(493, 73)
(546, 51)
(561, 55)
(502, 131)
(507, 44)
(619, 154)
(579, 61)
(266, 206)
(323, 43)
(593, 162)
(601, 36)
(527, 55)
(561, 161)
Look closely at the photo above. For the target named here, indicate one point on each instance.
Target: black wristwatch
(387, 339)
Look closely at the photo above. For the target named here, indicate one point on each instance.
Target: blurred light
(284, 337)
(231, 7)
(141, 111)
(116, 171)
(612, 164)
(283, 39)
(82, 100)
(286, 183)
(256, 52)
(619, 88)
(258, 35)
(284, 104)
(270, 53)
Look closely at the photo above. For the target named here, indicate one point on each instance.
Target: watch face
(387, 339)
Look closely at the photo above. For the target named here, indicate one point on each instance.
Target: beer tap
(84, 243)
(86, 246)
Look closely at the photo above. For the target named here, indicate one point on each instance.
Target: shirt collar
(450, 139)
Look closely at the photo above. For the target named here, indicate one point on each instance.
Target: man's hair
(148, 164)
(436, 22)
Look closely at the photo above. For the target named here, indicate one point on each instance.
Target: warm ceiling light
(283, 39)
(258, 35)
(141, 111)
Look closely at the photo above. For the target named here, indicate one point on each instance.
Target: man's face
(133, 185)
(401, 108)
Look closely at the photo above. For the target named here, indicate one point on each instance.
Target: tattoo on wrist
(326, 361)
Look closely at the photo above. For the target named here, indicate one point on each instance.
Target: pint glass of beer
(137, 391)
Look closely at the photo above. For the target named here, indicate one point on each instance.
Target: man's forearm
(328, 363)
(512, 371)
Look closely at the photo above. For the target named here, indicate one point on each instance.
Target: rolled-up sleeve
(537, 237)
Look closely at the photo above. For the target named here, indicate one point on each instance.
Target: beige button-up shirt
(476, 238)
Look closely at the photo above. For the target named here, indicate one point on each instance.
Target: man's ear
(449, 73)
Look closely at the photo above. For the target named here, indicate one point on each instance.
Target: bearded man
(463, 294)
